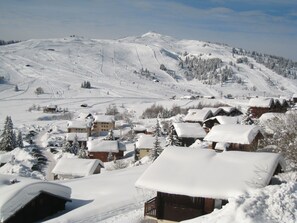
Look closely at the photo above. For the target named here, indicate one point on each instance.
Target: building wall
(42, 206)
(99, 127)
(103, 156)
(80, 130)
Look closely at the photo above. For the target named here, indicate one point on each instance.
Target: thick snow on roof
(76, 167)
(81, 136)
(14, 196)
(5, 157)
(100, 145)
(197, 115)
(78, 124)
(139, 128)
(189, 130)
(214, 111)
(226, 119)
(227, 109)
(147, 142)
(206, 173)
(232, 133)
(272, 204)
(261, 102)
(104, 118)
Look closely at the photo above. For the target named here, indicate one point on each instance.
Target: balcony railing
(150, 207)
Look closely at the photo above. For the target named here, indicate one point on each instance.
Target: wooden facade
(103, 156)
(177, 208)
(79, 130)
(40, 207)
(243, 147)
(102, 127)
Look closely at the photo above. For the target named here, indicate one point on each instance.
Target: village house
(145, 144)
(188, 133)
(193, 182)
(79, 126)
(105, 150)
(138, 129)
(82, 138)
(216, 111)
(234, 137)
(69, 168)
(198, 115)
(231, 111)
(259, 106)
(28, 200)
(221, 120)
(102, 124)
(50, 109)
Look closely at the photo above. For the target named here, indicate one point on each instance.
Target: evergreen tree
(157, 149)
(83, 153)
(67, 147)
(158, 129)
(171, 139)
(110, 135)
(19, 140)
(8, 141)
(75, 146)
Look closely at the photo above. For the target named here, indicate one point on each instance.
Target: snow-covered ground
(60, 66)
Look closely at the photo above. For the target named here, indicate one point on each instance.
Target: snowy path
(51, 162)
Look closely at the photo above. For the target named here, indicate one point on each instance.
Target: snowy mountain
(130, 67)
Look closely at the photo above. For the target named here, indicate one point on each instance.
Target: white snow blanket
(197, 115)
(80, 136)
(232, 133)
(206, 173)
(189, 130)
(147, 142)
(76, 167)
(16, 195)
(261, 102)
(100, 145)
(272, 204)
(104, 118)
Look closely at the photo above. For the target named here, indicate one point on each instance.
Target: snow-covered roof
(147, 142)
(214, 111)
(270, 115)
(226, 119)
(15, 196)
(189, 130)
(206, 173)
(100, 145)
(139, 128)
(104, 118)
(6, 157)
(261, 102)
(197, 115)
(76, 167)
(227, 109)
(78, 124)
(233, 133)
(81, 136)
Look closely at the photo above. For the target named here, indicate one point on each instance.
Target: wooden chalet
(145, 144)
(188, 133)
(198, 115)
(231, 111)
(105, 150)
(259, 106)
(221, 120)
(79, 126)
(234, 137)
(193, 182)
(216, 111)
(28, 200)
(102, 124)
(50, 109)
(82, 138)
(69, 168)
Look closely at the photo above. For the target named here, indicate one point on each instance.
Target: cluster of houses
(189, 181)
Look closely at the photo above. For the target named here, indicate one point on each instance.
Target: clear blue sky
(268, 26)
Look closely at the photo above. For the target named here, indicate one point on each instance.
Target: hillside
(128, 67)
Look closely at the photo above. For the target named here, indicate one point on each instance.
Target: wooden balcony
(150, 208)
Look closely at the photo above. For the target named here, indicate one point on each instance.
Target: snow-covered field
(60, 66)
